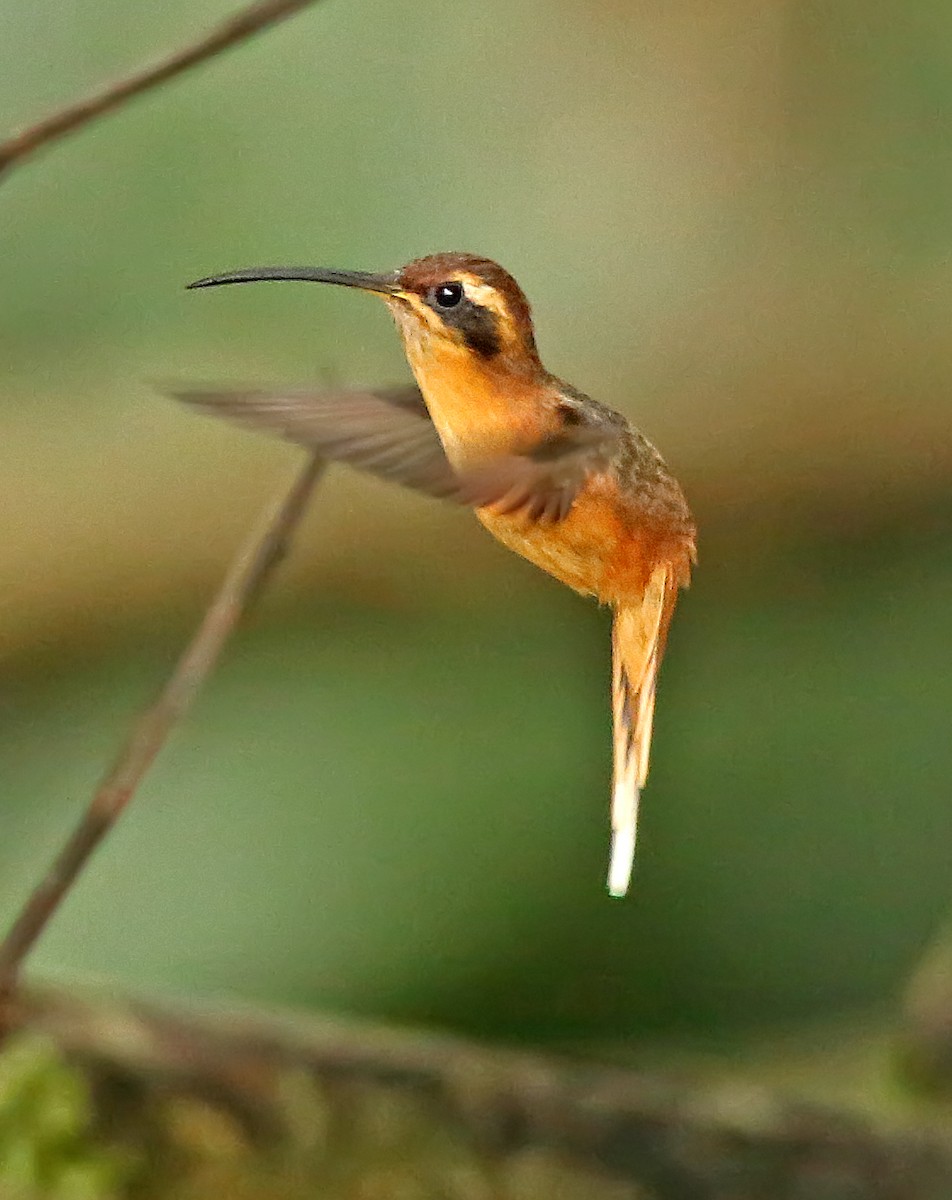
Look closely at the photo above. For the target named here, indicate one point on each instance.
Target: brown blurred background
(735, 224)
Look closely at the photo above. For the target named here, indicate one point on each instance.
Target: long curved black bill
(385, 285)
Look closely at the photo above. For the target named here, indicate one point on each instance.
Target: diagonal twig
(247, 574)
(253, 19)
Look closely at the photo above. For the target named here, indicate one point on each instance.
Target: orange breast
(478, 409)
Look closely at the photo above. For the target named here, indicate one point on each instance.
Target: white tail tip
(620, 864)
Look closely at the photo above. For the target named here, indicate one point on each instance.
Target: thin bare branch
(244, 580)
(253, 19)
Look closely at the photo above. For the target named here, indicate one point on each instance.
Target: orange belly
(599, 549)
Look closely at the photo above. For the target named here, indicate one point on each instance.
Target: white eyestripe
(482, 294)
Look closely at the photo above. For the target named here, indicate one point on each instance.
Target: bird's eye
(448, 295)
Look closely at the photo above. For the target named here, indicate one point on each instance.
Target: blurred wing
(389, 433)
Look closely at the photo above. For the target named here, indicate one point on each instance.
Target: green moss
(48, 1149)
(343, 1140)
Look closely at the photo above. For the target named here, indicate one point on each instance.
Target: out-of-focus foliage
(47, 1149)
(733, 221)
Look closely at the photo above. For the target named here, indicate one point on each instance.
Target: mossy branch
(254, 1105)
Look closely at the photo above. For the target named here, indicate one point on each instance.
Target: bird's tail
(638, 635)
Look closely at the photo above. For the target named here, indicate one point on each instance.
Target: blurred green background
(735, 224)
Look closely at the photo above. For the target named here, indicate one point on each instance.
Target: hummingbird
(559, 478)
